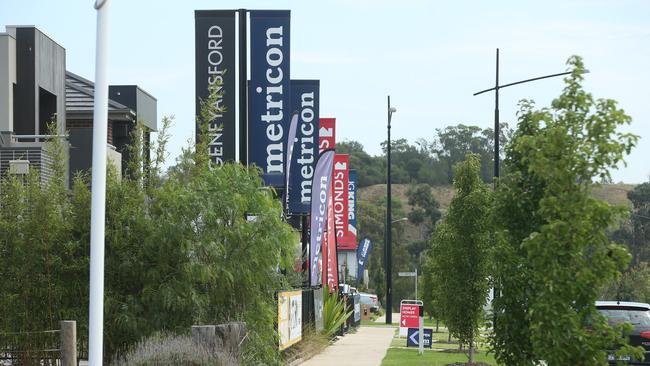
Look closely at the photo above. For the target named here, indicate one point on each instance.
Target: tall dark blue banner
(215, 68)
(352, 200)
(362, 256)
(269, 94)
(304, 100)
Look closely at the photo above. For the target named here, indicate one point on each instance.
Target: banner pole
(243, 77)
(98, 198)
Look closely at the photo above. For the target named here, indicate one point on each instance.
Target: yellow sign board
(289, 318)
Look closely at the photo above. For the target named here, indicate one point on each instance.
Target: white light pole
(98, 200)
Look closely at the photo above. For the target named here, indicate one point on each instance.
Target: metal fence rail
(57, 347)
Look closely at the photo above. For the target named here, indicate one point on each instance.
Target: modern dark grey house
(32, 94)
(36, 89)
(127, 104)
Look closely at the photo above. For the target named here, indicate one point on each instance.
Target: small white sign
(407, 274)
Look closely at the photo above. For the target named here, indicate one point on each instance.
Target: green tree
(632, 285)
(553, 253)
(639, 240)
(453, 142)
(425, 210)
(460, 254)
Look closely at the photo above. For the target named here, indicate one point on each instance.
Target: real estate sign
(289, 318)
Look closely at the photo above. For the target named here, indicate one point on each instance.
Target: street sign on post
(413, 338)
(411, 274)
(409, 316)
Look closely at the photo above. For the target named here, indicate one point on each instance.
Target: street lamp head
(392, 109)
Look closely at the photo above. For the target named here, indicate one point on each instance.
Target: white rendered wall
(7, 80)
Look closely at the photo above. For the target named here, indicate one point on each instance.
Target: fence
(56, 347)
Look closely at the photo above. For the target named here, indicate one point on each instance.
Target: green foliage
(553, 255)
(39, 247)
(454, 142)
(425, 209)
(426, 161)
(334, 312)
(638, 229)
(632, 285)
(179, 250)
(459, 259)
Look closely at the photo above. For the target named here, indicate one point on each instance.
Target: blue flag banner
(305, 100)
(269, 93)
(319, 198)
(362, 256)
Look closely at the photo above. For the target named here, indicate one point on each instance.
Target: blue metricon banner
(269, 93)
(322, 181)
(362, 256)
(304, 100)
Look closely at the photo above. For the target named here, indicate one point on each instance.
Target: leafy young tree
(553, 253)
(460, 254)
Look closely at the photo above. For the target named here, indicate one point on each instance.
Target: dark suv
(635, 313)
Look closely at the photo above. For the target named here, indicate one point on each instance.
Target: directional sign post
(421, 326)
(411, 274)
(409, 315)
(413, 338)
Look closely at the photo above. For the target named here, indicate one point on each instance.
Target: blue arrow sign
(413, 337)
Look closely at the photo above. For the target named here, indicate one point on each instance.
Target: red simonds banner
(340, 179)
(330, 258)
(326, 134)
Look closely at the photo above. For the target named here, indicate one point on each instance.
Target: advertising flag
(214, 62)
(362, 256)
(304, 99)
(269, 93)
(349, 239)
(340, 195)
(330, 274)
(327, 134)
(321, 183)
(291, 139)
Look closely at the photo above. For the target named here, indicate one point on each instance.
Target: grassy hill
(615, 194)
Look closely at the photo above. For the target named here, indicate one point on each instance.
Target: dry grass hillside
(615, 194)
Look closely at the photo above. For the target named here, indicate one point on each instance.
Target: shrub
(170, 349)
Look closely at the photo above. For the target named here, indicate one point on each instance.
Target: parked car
(635, 313)
(370, 300)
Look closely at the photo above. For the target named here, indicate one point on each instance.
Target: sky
(429, 56)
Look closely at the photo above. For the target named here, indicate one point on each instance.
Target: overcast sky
(430, 56)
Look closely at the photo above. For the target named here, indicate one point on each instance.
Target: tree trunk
(471, 352)
(449, 338)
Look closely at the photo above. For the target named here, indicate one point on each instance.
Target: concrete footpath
(366, 347)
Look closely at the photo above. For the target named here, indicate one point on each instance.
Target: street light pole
(496, 122)
(389, 235)
(496, 89)
(497, 290)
